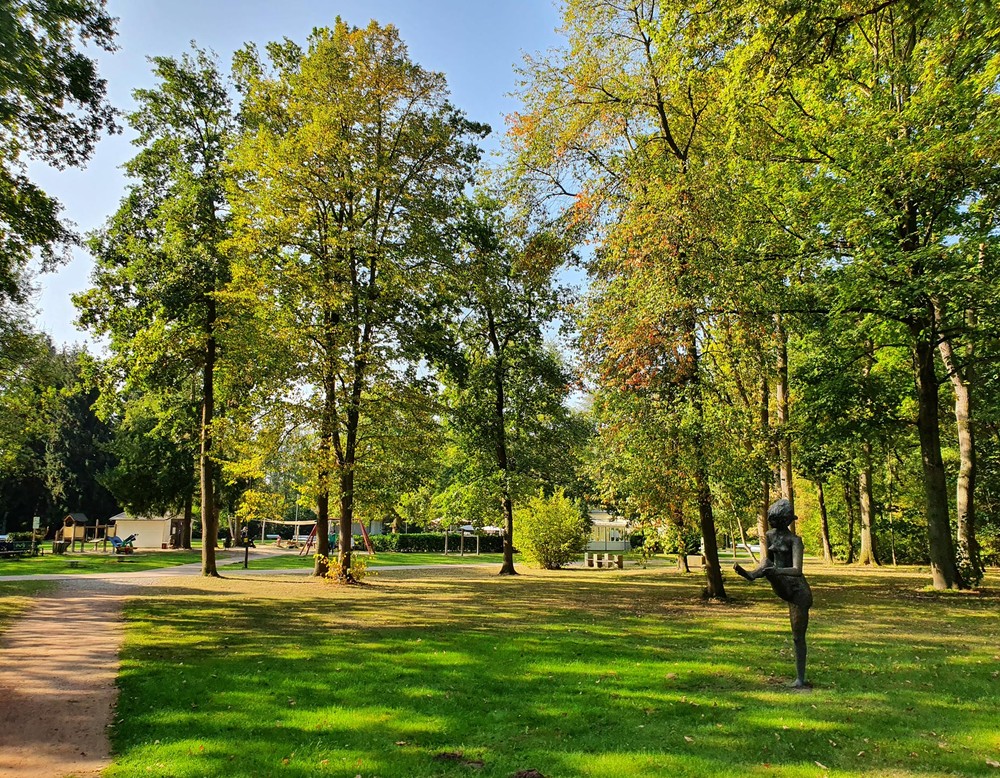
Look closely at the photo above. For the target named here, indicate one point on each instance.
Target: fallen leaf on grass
(821, 766)
(689, 739)
(992, 763)
(401, 743)
(528, 774)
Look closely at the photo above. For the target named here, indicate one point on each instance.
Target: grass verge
(457, 672)
(16, 597)
(97, 562)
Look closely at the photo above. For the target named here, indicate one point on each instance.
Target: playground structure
(122, 546)
(468, 531)
(311, 537)
(75, 530)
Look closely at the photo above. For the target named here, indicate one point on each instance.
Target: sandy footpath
(58, 665)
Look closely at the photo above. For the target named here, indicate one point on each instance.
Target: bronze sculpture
(781, 564)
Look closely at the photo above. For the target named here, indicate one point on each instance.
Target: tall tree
(160, 263)
(508, 388)
(349, 160)
(623, 123)
(882, 120)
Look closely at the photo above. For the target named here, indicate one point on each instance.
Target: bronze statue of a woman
(781, 564)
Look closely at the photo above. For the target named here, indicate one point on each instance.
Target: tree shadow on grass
(566, 673)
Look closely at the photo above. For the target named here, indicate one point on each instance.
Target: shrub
(355, 575)
(649, 546)
(549, 531)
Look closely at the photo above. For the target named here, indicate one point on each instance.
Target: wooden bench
(15, 549)
(603, 559)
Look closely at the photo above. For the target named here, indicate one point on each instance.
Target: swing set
(311, 538)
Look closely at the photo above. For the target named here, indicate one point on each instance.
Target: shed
(149, 531)
(607, 533)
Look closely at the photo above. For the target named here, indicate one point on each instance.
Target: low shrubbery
(429, 541)
(549, 531)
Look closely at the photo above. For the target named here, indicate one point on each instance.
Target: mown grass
(457, 672)
(16, 597)
(98, 562)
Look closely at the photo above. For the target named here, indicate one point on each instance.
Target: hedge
(430, 541)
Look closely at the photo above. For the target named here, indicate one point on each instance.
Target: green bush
(549, 531)
(651, 546)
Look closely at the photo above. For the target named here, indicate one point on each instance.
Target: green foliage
(346, 174)
(421, 542)
(53, 109)
(355, 573)
(54, 450)
(549, 531)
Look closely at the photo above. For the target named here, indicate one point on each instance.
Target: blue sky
(475, 43)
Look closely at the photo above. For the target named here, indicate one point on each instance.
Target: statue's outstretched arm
(761, 570)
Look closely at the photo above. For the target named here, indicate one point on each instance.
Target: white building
(149, 531)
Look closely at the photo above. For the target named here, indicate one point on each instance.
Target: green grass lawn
(382, 559)
(16, 596)
(457, 672)
(98, 562)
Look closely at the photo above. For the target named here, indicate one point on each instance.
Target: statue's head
(780, 514)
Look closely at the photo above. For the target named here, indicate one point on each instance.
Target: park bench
(15, 549)
(603, 559)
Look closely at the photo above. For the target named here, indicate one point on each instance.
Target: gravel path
(57, 682)
(58, 666)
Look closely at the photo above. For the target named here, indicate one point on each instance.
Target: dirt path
(57, 682)
(58, 665)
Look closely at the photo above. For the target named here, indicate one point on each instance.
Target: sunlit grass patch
(591, 673)
(16, 597)
(382, 559)
(97, 562)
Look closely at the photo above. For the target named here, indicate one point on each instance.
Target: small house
(608, 534)
(149, 531)
(74, 528)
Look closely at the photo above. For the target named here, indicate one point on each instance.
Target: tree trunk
(867, 556)
(346, 539)
(824, 524)
(347, 462)
(508, 535)
(784, 438)
(321, 564)
(715, 588)
(209, 517)
(968, 547)
(188, 521)
(765, 427)
(849, 509)
(500, 431)
(944, 571)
